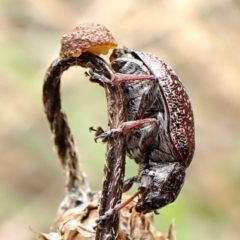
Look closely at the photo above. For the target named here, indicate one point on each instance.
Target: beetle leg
(105, 217)
(148, 137)
(121, 78)
(118, 78)
(97, 131)
(127, 127)
(147, 99)
(128, 183)
(126, 202)
(97, 77)
(124, 128)
(106, 135)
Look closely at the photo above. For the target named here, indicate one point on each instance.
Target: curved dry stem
(77, 187)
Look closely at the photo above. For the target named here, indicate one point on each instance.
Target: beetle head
(160, 185)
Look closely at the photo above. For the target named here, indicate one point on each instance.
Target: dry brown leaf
(45, 236)
(77, 223)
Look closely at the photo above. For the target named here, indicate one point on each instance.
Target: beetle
(159, 130)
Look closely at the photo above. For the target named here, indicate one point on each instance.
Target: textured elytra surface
(179, 110)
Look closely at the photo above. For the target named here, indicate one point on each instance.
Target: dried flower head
(91, 37)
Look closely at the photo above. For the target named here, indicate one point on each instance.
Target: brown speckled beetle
(160, 127)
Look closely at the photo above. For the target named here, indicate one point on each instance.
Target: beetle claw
(99, 133)
(101, 220)
(104, 136)
(128, 183)
(97, 77)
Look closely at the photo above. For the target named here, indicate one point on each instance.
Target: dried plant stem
(115, 165)
(77, 188)
(76, 185)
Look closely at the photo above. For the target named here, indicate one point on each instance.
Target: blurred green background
(199, 39)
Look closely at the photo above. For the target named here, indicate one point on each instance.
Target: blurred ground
(199, 39)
